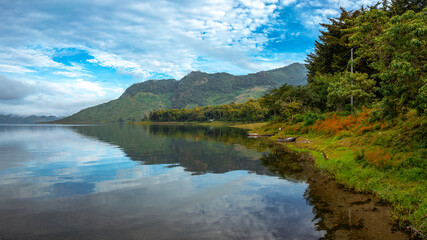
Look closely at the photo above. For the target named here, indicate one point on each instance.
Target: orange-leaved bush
(357, 124)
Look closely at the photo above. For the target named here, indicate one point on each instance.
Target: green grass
(250, 126)
(403, 184)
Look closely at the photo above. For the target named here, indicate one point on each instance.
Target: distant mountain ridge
(13, 119)
(195, 89)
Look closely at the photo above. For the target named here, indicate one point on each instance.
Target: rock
(289, 139)
(256, 135)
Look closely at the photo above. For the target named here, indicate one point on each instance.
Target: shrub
(379, 158)
(378, 125)
(278, 119)
(355, 123)
(311, 118)
(359, 158)
(344, 113)
(416, 161)
(298, 118)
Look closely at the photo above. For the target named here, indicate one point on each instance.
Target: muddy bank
(341, 212)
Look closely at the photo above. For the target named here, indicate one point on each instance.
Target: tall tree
(331, 51)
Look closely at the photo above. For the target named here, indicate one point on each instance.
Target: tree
(319, 86)
(396, 49)
(291, 108)
(331, 50)
(399, 7)
(343, 85)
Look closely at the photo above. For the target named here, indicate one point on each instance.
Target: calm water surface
(150, 182)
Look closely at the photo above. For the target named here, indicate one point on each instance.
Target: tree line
(248, 111)
(390, 61)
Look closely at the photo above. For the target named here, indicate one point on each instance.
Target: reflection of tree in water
(284, 162)
(196, 148)
(342, 213)
(225, 135)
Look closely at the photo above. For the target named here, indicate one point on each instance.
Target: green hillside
(195, 89)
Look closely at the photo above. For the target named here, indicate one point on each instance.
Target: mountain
(195, 89)
(27, 119)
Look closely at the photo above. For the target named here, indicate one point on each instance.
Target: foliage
(396, 48)
(344, 85)
(399, 7)
(298, 118)
(280, 104)
(358, 124)
(288, 100)
(379, 157)
(250, 111)
(311, 118)
(331, 51)
(390, 49)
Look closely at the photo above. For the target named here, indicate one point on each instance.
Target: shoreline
(335, 155)
(336, 158)
(343, 212)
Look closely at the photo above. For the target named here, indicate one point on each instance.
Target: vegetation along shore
(362, 118)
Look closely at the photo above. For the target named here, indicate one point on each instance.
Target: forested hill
(195, 89)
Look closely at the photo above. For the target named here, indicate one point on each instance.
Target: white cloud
(287, 2)
(72, 74)
(22, 57)
(141, 38)
(326, 12)
(111, 60)
(312, 12)
(60, 98)
(147, 39)
(14, 69)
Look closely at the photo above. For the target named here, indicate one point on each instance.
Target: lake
(171, 182)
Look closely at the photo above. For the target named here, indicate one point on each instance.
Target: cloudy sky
(57, 57)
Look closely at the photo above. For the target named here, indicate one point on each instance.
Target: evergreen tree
(331, 51)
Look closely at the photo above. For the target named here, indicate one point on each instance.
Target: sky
(58, 57)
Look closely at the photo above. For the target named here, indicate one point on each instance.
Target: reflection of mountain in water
(198, 149)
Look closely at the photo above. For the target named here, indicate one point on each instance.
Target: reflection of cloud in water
(174, 206)
(93, 187)
(71, 188)
(152, 175)
(9, 153)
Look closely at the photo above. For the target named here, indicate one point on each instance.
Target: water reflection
(139, 182)
(197, 149)
(155, 182)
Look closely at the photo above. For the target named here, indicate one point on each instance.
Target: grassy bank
(387, 159)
